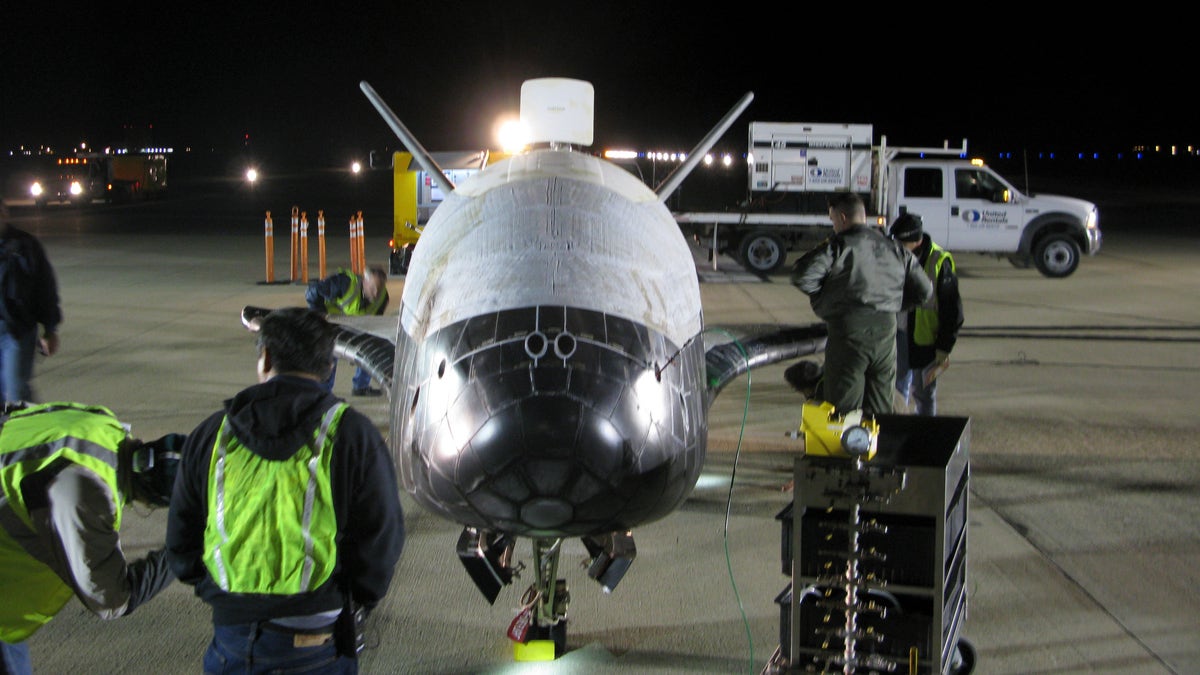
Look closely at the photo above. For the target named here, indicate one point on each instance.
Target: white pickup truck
(966, 207)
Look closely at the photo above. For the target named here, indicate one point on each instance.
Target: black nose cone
(551, 423)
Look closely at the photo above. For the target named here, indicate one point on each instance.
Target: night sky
(664, 73)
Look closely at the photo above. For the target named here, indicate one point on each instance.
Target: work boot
(367, 391)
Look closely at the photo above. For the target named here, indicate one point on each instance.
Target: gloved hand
(147, 578)
(940, 357)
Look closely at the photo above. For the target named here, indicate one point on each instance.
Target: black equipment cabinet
(891, 533)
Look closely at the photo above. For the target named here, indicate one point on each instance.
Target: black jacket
(950, 311)
(28, 288)
(274, 419)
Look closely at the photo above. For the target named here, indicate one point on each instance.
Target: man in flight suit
(857, 280)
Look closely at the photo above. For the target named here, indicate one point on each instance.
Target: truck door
(983, 216)
(923, 191)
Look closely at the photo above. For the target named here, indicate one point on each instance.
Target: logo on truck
(819, 176)
(985, 219)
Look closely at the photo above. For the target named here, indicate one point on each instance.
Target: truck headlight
(76, 188)
(36, 189)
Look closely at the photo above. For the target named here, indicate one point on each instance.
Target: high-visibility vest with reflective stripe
(351, 302)
(925, 330)
(271, 523)
(30, 441)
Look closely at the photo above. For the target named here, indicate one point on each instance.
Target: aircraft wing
(744, 348)
(730, 352)
(363, 340)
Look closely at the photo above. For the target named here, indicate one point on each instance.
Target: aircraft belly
(550, 421)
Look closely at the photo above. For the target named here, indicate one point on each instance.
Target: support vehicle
(112, 177)
(965, 205)
(416, 195)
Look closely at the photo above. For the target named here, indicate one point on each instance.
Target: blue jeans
(14, 658)
(259, 648)
(16, 363)
(362, 379)
(910, 382)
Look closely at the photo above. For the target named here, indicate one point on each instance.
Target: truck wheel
(1056, 255)
(763, 252)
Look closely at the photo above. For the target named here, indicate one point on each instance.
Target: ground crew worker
(928, 332)
(66, 472)
(350, 294)
(286, 516)
(857, 280)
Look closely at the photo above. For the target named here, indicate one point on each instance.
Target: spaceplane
(549, 376)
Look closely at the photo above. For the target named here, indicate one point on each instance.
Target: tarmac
(1084, 497)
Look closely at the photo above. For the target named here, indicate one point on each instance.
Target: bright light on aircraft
(356, 167)
(649, 396)
(512, 135)
(708, 160)
(252, 175)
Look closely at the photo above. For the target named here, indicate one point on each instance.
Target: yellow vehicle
(416, 195)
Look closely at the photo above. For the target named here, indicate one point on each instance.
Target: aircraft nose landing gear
(539, 631)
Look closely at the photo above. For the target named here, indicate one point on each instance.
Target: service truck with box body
(965, 206)
(113, 177)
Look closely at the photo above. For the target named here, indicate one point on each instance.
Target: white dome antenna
(558, 110)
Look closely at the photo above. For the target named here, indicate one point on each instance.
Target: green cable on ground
(737, 453)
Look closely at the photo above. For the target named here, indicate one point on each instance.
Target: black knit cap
(907, 227)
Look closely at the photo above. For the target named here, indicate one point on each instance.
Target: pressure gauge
(856, 440)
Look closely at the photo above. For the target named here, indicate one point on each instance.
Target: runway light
(620, 154)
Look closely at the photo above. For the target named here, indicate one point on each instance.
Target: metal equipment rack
(878, 551)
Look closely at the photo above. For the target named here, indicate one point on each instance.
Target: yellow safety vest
(32, 440)
(271, 524)
(351, 302)
(925, 331)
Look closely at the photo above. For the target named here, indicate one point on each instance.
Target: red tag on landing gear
(519, 628)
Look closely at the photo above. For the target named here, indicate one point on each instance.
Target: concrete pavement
(1084, 516)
